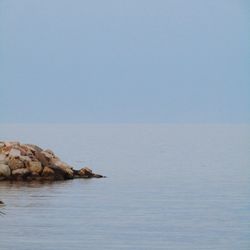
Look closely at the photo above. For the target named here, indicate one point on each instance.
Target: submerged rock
(24, 162)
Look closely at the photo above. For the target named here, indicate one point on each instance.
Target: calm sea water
(168, 187)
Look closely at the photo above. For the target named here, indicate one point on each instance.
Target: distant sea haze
(178, 187)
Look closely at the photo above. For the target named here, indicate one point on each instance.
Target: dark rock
(67, 170)
(14, 152)
(48, 173)
(20, 174)
(98, 176)
(59, 173)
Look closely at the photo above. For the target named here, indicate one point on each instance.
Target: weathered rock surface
(4, 171)
(21, 171)
(3, 158)
(35, 167)
(15, 163)
(24, 162)
(48, 173)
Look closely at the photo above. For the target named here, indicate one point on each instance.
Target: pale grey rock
(4, 171)
(3, 158)
(14, 152)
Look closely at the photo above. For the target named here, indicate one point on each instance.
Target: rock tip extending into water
(26, 162)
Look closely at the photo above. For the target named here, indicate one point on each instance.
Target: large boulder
(41, 157)
(64, 167)
(4, 171)
(5, 150)
(14, 152)
(15, 163)
(20, 174)
(35, 167)
(59, 174)
(85, 172)
(26, 159)
(3, 158)
(21, 171)
(48, 173)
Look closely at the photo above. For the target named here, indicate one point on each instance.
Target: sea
(168, 186)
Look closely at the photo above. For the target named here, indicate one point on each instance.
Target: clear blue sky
(124, 61)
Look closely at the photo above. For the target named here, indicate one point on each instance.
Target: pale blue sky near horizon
(133, 61)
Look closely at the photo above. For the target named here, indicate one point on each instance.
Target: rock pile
(26, 162)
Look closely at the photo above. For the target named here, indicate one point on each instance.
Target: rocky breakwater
(27, 162)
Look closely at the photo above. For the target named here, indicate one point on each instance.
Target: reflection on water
(1, 210)
(168, 187)
(1, 207)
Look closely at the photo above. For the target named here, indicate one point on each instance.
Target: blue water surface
(169, 187)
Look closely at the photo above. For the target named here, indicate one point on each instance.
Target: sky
(124, 61)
